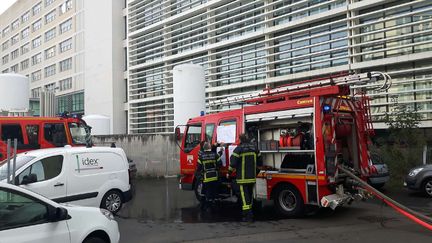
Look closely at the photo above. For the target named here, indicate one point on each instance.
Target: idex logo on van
(87, 164)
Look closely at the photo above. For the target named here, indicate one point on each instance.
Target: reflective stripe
(210, 179)
(199, 161)
(236, 155)
(245, 181)
(245, 206)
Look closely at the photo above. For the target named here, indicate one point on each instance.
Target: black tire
(427, 187)
(94, 240)
(198, 191)
(112, 201)
(288, 202)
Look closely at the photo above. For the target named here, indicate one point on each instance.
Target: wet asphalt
(161, 212)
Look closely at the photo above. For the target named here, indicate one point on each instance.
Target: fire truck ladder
(364, 81)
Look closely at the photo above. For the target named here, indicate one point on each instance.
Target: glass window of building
(65, 84)
(48, 2)
(66, 64)
(36, 76)
(66, 6)
(50, 70)
(25, 64)
(50, 87)
(15, 24)
(37, 8)
(25, 17)
(36, 42)
(25, 33)
(5, 45)
(78, 102)
(6, 70)
(65, 26)
(5, 59)
(50, 52)
(50, 34)
(65, 45)
(35, 93)
(37, 25)
(14, 68)
(36, 58)
(5, 31)
(14, 54)
(49, 17)
(14, 39)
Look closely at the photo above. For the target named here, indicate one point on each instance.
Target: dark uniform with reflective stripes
(244, 160)
(208, 164)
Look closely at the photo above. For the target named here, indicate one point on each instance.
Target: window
(12, 131)
(25, 17)
(14, 68)
(33, 135)
(36, 42)
(55, 133)
(5, 31)
(193, 137)
(65, 26)
(35, 93)
(50, 87)
(25, 48)
(42, 170)
(5, 45)
(36, 76)
(25, 64)
(14, 54)
(14, 39)
(19, 210)
(5, 59)
(78, 102)
(6, 70)
(209, 133)
(50, 34)
(65, 45)
(48, 2)
(15, 24)
(25, 33)
(36, 8)
(229, 123)
(50, 71)
(49, 17)
(66, 6)
(50, 52)
(66, 64)
(65, 84)
(37, 25)
(36, 58)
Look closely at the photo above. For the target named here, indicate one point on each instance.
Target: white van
(96, 176)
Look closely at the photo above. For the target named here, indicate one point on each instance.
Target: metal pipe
(14, 160)
(8, 160)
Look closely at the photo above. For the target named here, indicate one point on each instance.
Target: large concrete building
(247, 44)
(74, 48)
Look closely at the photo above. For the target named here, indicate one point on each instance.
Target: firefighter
(207, 167)
(244, 161)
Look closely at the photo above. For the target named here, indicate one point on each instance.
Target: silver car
(382, 174)
(420, 179)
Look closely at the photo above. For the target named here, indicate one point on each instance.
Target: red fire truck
(42, 132)
(304, 132)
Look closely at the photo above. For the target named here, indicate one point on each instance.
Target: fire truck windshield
(79, 132)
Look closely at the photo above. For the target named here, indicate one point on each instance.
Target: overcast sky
(5, 4)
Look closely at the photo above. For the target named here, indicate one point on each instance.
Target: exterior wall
(245, 45)
(154, 155)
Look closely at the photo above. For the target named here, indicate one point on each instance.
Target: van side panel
(92, 174)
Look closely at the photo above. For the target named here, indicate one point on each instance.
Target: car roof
(69, 149)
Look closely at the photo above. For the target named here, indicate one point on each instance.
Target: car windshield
(79, 133)
(21, 160)
(376, 160)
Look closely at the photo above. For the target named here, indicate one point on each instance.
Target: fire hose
(417, 217)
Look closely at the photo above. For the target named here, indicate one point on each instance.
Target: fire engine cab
(305, 131)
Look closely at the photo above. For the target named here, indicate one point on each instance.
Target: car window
(55, 133)
(21, 160)
(193, 137)
(18, 210)
(12, 131)
(44, 169)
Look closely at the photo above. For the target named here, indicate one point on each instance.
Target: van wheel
(288, 201)
(198, 188)
(94, 240)
(112, 201)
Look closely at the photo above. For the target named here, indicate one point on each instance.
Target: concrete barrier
(154, 155)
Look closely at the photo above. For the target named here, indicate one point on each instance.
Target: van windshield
(79, 132)
(20, 162)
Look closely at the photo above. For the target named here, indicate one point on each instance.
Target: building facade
(245, 45)
(74, 48)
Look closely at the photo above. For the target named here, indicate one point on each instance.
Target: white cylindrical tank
(189, 92)
(14, 92)
(100, 124)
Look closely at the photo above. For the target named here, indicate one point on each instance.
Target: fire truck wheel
(198, 188)
(288, 201)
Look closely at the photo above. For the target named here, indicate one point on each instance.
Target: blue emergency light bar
(326, 108)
